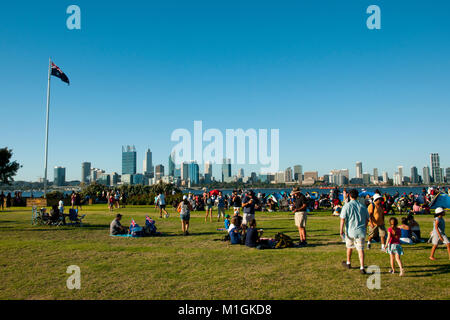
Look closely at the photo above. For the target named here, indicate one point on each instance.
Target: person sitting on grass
(415, 229)
(234, 232)
(438, 235)
(253, 235)
(54, 214)
(393, 248)
(116, 227)
(417, 209)
(238, 218)
(406, 235)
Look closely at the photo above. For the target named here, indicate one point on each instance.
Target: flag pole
(46, 126)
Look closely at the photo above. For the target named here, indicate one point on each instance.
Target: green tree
(8, 169)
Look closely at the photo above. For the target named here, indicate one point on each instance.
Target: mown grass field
(34, 259)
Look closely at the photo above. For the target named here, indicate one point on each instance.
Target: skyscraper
(241, 173)
(375, 175)
(426, 175)
(184, 171)
(400, 174)
(171, 172)
(128, 160)
(85, 172)
(59, 176)
(298, 172)
(385, 177)
(194, 172)
(288, 174)
(208, 172)
(359, 170)
(414, 175)
(147, 167)
(447, 174)
(159, 172)
(435, 168)
(226, 170)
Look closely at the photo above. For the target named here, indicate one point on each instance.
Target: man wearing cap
(376, 221)
(300, 214)
(115, 227)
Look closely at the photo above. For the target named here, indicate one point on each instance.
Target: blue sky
(338, 92)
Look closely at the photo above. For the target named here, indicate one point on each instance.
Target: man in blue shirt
(249, 202)
(355, 217)
(220, 206)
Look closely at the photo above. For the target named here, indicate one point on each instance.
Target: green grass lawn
(34, 259)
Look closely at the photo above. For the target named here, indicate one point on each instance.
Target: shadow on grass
(428, 271)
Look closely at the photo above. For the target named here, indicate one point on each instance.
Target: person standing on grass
(220, 206)
(237, 202)
(72, 199)
(355, 217)
(376, 221)
(185, 207)
(438, 234)
(161, 202)
(300, 205)
(393, 247)
(249, 203)
(111, 202)
(209, 205)
(61, 206)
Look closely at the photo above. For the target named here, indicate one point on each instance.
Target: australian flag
(57, 72)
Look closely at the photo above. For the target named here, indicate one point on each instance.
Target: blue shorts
(185, 217)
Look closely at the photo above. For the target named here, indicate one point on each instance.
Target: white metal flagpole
(46, 126)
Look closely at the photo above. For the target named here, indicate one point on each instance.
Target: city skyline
(314, 71)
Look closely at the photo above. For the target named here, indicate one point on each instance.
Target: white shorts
(435, 239)
(352, 243)
(247, 218)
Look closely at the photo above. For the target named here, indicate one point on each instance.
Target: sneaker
(305, 243)
(391, 271)
(362, 271)
(346, 265)
(187, 233)
(368, 245)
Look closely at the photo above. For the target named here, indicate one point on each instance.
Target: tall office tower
(147, 167)
(226, 169)
(447, 174)
(366, 178)
(280, 177)
(426, 175)
(159, 172)
(375, 175)
(400, 174)
(184, 171)
(208, 172)
(85, 171)
(241, 173)
(194, 172)
(59, 176)
(436, 168)
(396, 179)
(288, 174)
(359, 170)
(385, 177)
(171, 172)
(414, 175)
(298, 172)
(128, 160)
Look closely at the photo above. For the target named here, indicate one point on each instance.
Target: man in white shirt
(161, 202)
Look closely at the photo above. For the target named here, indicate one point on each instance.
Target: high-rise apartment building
(426, 177)
(59, 176)
(436, 168)
(128, 160)
(414, 175)
(359, 170)
(85, 172)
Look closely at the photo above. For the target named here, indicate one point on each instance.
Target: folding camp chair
(74, 218)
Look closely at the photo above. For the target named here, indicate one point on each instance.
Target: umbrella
(214, 192)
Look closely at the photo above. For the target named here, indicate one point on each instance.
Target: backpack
(283, 241)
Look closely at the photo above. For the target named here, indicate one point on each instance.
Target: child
(394, 249)
(438, 233)
(227, 221)
(233, 231)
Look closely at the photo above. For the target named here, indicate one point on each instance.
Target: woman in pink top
(393, 248)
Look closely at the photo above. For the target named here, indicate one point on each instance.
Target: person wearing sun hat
(376, 221)
(438, 235)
